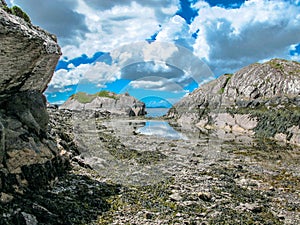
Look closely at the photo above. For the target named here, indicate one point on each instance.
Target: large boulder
(28, 57)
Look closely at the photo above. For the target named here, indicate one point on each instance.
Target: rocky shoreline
(260, 99)
(59, 166)
(200, 180)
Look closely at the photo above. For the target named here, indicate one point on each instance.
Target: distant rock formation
(28, 56)
(116, 104)
(261, 99)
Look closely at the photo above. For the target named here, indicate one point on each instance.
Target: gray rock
(121, 104)
(28, 56)
(29, 219)
(176, 197)
(241, 102)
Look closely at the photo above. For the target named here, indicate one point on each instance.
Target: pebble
(175, 197)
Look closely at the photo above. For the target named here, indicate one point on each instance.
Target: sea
(156, 112)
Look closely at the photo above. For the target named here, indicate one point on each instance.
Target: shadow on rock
(75, 199)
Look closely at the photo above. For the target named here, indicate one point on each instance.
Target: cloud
(98, 73)
(161, 8)
(58, 17)
(231, 38)
(88, 26)
(176, 30)
(151, 66)
(118, 23)
(156, 84)
(225, 38)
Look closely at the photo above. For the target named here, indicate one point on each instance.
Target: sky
(161, 50)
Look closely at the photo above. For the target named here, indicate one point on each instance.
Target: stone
(295, 131)
(205, 196)
(175, 197)
(245, 121)
(280, 137)
(6, 198)
(29, 219)
(18, 158)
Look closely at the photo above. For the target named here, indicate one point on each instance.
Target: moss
(17, 11)
(221, 91)
(83, 97)
(277, 65)
(114, 146)
(276, 121)
(226, 213)
(271, 121)
(228, 77)
(107, 94)
(151, 198)
(7, 9)
(20, 13)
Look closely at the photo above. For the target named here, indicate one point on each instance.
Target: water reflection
(160, 129)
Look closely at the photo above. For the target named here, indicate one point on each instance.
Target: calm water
(160, 129)
(156, 112)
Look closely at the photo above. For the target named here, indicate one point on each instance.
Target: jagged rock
(268, 80)
(261, 99)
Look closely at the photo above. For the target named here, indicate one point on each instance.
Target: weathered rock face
(261, 99)
(121, 104)
(28, 56)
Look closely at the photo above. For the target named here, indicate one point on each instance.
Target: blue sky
(161, 50)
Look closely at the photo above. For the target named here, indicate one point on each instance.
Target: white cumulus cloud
(231, 38)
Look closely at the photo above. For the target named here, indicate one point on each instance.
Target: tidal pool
(160, 129)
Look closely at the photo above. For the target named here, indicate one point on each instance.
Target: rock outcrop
(2, 3)
(115, 104)
(29, 157)
(261, 99)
